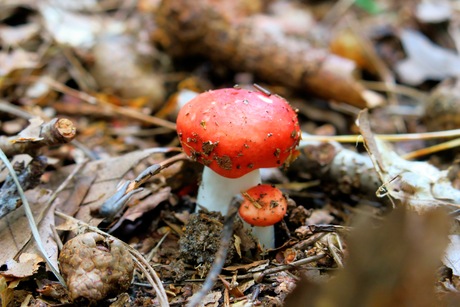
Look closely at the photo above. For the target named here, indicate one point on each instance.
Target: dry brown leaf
(245, 267)
(425, 60)
(13, 36)
(108, 172)
(27, 266)
(212, 299)
(237, 245)
(15, 232)
(32, 132)
(147, 204)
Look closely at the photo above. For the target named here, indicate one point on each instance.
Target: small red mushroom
(233, 133)
(263, 205)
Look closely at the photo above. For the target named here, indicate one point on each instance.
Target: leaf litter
(101, 84)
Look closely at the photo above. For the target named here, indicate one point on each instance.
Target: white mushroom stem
(216, 192)
(265, 235)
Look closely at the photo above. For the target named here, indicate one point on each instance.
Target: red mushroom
(234, 132)
(264, 205)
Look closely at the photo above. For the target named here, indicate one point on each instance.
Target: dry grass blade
(307, 138)
(150, 274)
(221, 254)
(432, 149)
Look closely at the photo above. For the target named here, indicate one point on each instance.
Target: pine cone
(95, 267)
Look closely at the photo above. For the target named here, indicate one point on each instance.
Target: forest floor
(105, 211)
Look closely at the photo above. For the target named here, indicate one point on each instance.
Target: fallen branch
(419, 184)
(230, 33)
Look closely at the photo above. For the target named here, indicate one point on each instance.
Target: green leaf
(368, 5)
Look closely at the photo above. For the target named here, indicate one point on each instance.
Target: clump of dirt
(202, 236)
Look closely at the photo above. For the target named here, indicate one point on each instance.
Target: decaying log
(238, 38)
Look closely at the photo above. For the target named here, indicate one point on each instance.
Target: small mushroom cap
(263, 205)
(235, 131)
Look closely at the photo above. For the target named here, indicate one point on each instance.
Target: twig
(151, 275)
(56, 131)
(30, 218)
(221, 254)
(308, 242)
(396, 88)
(157, 247)
(317, 228)
(261, 275)
(334, 250)
(414, 183)
(88, 152)
(9, 108)
(14, 110)
(118, 201)
(122, 111)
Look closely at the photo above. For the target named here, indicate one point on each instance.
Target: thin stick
(157, 247)
(260, 275)
(221, 254)
(396, 88)
(122, 111)
(157, 285)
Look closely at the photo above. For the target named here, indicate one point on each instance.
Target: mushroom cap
(263, 205)
(235, 131)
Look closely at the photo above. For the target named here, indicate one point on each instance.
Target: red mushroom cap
(235, 131)
(263, 205)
